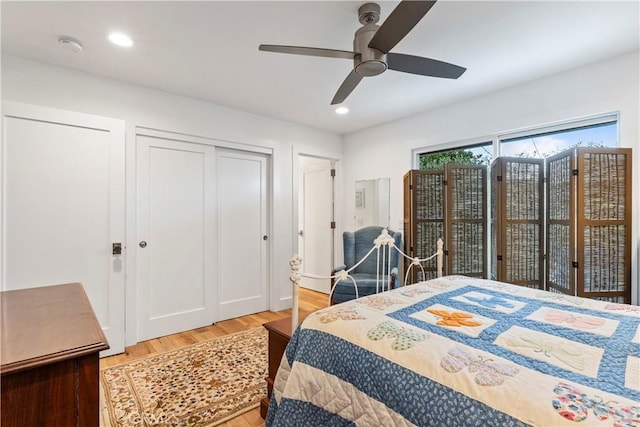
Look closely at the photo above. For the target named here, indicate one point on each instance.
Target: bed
(462, 351)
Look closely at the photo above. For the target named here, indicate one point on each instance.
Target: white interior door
(315, 216)
(242, 232)
(176, 288)
(63, 204)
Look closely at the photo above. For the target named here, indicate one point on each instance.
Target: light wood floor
(309, 301)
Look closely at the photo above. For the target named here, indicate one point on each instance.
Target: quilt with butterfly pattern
(462, 351)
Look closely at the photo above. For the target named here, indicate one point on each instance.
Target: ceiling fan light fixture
(371, 68)
(342, 110)
(120, 39)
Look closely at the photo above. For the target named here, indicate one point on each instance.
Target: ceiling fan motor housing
(369, 62)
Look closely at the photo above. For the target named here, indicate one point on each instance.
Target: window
(538, 142)
(547, 143)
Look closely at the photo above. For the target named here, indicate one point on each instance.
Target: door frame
(337, 198)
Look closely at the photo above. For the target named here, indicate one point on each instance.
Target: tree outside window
(476, 155)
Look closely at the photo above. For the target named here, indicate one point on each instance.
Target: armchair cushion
(356, 245)
(345, 289)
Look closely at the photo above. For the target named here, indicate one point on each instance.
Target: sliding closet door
(63, 205)
(202, 233)
(176, 282)
(242, 232)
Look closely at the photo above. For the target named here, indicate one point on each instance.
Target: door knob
(142, 244)
(265, 238)
(301, 233)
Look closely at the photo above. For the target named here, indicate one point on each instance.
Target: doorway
(316, 226)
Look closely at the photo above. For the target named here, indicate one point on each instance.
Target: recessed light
(342, 110)
(120, 39)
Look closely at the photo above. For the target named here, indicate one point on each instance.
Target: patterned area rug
(203, 384)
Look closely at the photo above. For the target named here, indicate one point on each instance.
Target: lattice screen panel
(517, 215)
(561, 222)
(604, 224)
(465, 219)
(495, 226)
(423, 218)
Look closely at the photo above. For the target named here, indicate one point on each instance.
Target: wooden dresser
(49, 355)
(279, 336)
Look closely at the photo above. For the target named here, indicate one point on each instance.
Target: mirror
(372, 203)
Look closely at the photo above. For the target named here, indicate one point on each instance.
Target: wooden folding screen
(517, 221)
(589, 223)
(450, 204)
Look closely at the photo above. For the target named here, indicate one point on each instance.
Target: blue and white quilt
(462, 351)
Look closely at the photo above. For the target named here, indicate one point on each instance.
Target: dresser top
(45, 325)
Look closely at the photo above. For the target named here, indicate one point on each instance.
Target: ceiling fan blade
(347, 86)
(309, 51)
(403, 18)
(423, 66)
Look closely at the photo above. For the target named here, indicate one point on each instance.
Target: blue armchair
(356, 245)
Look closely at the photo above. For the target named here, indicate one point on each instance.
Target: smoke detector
(70, 43)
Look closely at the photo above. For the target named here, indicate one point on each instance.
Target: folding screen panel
(604, 224)
(494, 226)
(466, 219)
(561, 222)
(423, 218)
(517, 221)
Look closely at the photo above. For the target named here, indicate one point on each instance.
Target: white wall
(607, 86)
(32, 82)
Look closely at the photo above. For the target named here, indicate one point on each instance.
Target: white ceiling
(209, 50)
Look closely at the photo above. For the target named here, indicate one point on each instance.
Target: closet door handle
(116, 248)
(142, 244)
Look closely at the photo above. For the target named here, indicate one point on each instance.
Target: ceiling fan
(371, 46)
